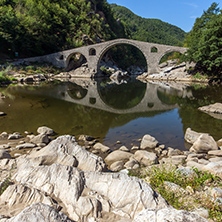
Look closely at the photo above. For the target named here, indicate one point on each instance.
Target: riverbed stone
(118, 155)
(191, 136)
(45, 130)
(173, 152)
(145, 158)
(130, 164)
(4, 146)
(2, 113)
(101, 147)
(124, 148)
(15, 135)
(213, 108)
(41, 138)
(203, 144)
(25, 146)
(86, 138)
(4, 135)
(148, 142)
(117, 166)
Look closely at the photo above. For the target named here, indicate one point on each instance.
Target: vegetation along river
(112, 112)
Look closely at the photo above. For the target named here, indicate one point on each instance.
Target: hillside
(149, 30)
(38, 27)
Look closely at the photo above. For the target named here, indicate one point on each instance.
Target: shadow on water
(112, 112)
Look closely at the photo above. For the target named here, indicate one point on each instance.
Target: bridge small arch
(181, 51)
(154, 49)
(75, 60)
(92, 52)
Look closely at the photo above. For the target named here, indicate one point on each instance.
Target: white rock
(39, 212)
(45, 130)
(191, 136)
(148, 142)
(41, 138)
(168, 215)
(117, 166)
(101, 147)
(145, 158)
(118, 155)
(25, 146)
(124, 148)
(204, 144)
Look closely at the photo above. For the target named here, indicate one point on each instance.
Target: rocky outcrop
(39, 212)
(169, 215)
(215, 110)
(66, 151)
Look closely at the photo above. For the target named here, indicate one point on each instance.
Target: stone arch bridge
(94, 53)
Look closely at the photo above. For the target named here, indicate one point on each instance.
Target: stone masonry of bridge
(94, 54)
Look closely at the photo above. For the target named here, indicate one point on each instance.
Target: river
(112, 112)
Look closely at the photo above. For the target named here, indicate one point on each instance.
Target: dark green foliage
(148, 30)
(205, 41)
(32, 27)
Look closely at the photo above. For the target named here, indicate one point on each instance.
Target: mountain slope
(149, 30)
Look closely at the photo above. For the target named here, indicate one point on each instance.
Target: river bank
(89, 182)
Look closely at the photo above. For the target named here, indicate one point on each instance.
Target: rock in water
(148, 142)
(203, 144)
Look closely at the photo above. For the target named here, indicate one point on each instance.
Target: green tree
(205, 41)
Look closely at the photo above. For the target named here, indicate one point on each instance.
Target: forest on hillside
(148, 30)
(38, 27)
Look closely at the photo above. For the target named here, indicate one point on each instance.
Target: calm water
(112, 112)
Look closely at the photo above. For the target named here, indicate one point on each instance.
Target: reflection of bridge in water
(150, 101)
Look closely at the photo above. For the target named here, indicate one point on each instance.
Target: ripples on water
(112, 112)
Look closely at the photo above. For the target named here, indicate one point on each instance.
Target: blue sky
(181, 13)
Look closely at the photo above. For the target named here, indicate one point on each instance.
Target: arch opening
(122, 56)
(154, 50)
(76, 92)
(75, 60)
(92, 52)
(170, 59)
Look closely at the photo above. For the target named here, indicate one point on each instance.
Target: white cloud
(193, 16)
(191, 4)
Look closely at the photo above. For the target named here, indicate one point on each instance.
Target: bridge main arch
(120, 42)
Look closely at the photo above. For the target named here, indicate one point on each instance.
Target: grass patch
(157, 176)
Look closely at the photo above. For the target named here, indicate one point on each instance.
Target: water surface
(112, 112)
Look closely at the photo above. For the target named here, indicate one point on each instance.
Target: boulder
(102, 148)
(169, 215)
(118, 155)
(124, 148)
(45, 130)
(204, 144)
(213, 108)
(131, 164)
(86, 138)
(14, 136)
(39, 212)
(127, 195)
(41, 138)
(191, 136)
(66, 151)
(148, 142)
(64, 182)
(145, 158)
(117, 166)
